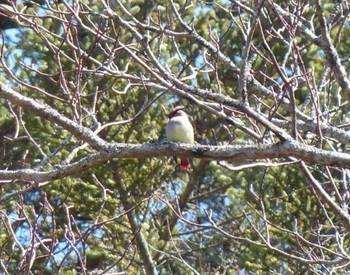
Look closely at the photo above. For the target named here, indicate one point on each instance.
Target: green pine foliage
(86, 219)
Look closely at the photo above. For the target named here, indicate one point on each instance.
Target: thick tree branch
(286, 149)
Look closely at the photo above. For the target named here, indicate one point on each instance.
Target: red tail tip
(186, 166)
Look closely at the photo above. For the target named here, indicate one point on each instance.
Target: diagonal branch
(331, 53)
(54, 116)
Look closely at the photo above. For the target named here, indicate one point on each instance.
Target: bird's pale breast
(180, 130)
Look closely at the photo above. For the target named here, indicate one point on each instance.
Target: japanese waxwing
(179, 129)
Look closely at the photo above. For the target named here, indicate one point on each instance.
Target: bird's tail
(185, 163)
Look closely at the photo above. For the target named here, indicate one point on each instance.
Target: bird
(179, 129)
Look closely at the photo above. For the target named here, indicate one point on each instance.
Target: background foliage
(248, 72)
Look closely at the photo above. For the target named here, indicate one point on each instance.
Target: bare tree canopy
(88, 181)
